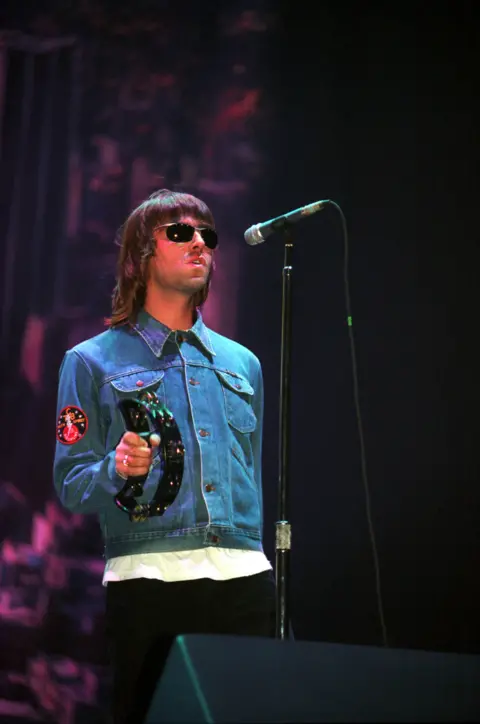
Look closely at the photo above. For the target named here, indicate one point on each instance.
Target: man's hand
(133, 456)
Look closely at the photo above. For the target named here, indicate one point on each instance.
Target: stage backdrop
(101, 104)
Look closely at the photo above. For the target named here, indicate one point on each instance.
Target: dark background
(375, 107)
(377, 110)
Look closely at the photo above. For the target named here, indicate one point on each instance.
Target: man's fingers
(132, 464)
(132, 457)
(142, 453)
(133, 440)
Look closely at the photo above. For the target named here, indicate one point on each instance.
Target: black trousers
(144, 616)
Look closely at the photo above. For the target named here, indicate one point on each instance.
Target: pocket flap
(235, 382)
(138, 381)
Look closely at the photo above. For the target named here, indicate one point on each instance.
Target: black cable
(360, 433)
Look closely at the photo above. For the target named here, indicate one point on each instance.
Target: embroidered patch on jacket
(72, 425)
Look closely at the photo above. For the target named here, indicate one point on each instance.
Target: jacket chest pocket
(238, 394)
(136, 383)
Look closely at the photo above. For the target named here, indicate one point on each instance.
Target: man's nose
(197, 241)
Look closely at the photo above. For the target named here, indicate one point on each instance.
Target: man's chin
(195, 286)
(198, 280)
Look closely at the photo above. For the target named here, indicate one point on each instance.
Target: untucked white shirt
(220, 564)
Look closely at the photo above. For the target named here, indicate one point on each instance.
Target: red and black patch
(72, 424)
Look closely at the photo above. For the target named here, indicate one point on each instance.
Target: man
(199, 567)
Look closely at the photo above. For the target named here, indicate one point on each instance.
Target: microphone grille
(253, 235)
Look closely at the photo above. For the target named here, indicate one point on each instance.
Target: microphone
(257, 233)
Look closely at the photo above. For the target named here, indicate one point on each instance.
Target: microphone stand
(282, 526)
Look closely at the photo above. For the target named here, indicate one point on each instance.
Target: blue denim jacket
(213, 386)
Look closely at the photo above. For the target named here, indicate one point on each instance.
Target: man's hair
(137, 246)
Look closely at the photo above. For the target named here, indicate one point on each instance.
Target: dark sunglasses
(185, 232)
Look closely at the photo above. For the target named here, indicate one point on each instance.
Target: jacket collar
(156, 333)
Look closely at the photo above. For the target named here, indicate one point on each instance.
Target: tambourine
(136, 414)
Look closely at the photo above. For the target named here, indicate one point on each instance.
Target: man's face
(180, 266)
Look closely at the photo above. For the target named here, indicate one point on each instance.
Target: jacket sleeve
(257, 435)
(84, 471)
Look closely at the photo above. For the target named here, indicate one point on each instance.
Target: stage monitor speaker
(249, 679)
